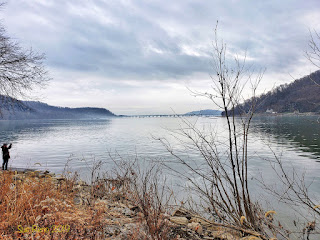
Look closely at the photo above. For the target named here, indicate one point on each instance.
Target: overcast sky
(140, 57)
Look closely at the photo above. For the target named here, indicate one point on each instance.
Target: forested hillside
(302, 95)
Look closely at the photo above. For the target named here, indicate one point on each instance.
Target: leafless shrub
(70, 177)
(146, 188)
(220, 178)
(293, 189)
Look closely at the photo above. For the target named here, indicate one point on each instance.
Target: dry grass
(44, 207)
(39, 207)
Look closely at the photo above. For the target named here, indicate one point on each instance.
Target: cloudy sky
(140, 57)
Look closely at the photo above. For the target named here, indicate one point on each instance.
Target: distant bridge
(164, 115)
(153, 116)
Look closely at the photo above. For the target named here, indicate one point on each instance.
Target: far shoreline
(288, 114)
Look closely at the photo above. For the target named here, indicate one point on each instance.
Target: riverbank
(42, 205)
(288, 114)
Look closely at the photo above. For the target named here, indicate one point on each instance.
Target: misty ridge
(206, 112)
(21, 110)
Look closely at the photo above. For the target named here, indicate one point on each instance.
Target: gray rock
(179, 220)
(77, 200)
(111, 230)
(127, 212)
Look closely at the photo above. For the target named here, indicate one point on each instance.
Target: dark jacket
(5, 152)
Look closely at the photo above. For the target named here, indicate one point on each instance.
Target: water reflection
(52, 142)
(297, 132)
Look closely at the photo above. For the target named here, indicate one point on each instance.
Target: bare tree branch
(21, 70)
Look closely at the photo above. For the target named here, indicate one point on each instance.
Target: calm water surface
(50, 143)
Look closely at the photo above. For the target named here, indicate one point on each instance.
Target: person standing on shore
(5, 155)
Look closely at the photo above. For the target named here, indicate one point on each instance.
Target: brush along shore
(42, 205)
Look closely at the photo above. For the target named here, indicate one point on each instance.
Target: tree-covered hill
(302, 95)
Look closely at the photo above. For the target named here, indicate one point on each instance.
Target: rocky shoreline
(76, 210)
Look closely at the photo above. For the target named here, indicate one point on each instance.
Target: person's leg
(6, 164)
(3, 165)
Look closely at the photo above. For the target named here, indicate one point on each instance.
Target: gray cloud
(143, 39)
(160, 40)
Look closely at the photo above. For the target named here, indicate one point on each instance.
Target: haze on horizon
(139, 57)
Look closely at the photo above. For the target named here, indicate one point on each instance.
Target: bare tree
(313, 54)
(221, 178)
(21, 70)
